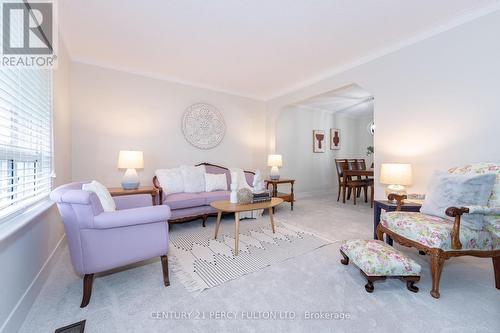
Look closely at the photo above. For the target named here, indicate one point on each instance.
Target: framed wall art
(318, 141)
(335, 138)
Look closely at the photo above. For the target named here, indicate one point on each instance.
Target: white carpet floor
(314, 284)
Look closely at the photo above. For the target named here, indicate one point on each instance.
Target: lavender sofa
(192, 206)
(99, 241)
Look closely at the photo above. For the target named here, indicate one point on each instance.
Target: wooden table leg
(219, 215)
(272, 219)
(236, 233)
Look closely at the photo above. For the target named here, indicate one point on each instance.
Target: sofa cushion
(184, 200)
(170, 180)
(215, 196)
(215, 182)
(492, 221)
(433, 231)
(193, 178)
(377, 258)
(456, 190)
(107, 202)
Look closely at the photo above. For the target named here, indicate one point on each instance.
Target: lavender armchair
(100, 241)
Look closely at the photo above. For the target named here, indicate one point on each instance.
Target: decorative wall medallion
(203, 126)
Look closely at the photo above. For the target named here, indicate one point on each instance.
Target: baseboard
(18, 314)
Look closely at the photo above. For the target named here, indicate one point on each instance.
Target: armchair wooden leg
(380, 234)
(365, 189)
(343, 194)
(204, 217)
(88, 279)
(496, 268)
(164, 266)
(437, 262)
(338, 194)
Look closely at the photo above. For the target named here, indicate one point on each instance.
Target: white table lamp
(130, 160)
(275, 162)
(396, 176)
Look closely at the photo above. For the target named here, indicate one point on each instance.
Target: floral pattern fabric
(378, 258)
(492, 217)
(434, 232)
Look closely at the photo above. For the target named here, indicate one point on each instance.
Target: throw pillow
(451, 190)
(214, 182)
(170, 180)
(193, 178)
(107, 202)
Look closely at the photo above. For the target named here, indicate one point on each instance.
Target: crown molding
(436, 30)
(165, 78)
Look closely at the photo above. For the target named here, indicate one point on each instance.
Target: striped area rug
(202, 262)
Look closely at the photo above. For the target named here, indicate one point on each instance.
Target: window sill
(11, 225)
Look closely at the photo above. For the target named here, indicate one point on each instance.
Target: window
(25, 137)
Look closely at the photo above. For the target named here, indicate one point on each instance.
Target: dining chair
(339, 166)
(369, 180)
(348, 185)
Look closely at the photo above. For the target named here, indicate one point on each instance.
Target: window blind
(25, 137)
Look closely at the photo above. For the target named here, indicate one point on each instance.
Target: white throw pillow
(107, 202)
(452, 190)
(170, 180)
(215, 182)
(193, 178)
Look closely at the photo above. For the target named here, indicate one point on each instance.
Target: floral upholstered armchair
(446, 238)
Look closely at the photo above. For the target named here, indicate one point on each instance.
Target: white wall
(115, 110)
(316, 171)
(436, 101)
(26, 256)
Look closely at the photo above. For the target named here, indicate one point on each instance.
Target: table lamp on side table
(130, 160)
(275, 162)
(396, 176)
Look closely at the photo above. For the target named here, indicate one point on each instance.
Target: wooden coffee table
(226, 207)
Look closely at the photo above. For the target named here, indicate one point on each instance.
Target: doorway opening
(312, 133)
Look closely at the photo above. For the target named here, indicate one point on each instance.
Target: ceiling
(259, 48)
(351, 101)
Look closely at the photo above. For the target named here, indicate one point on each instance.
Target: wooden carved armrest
(455, 233)
(399, 199)
(157, 186)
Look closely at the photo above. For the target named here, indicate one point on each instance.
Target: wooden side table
(288, 197)
(118, 191)
(390, 207)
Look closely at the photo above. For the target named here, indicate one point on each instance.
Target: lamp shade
(129, 159)
(395, 174)
(274, 161)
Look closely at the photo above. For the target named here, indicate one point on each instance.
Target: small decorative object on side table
(118, 191)
(388, 206)
(288, 197)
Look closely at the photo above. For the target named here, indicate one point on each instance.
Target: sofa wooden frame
(204, 217)
(438, 256)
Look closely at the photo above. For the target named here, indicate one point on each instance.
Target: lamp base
(130, 180)
(396, 189)
(275, 173)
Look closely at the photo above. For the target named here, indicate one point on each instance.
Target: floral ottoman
(378, 260)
